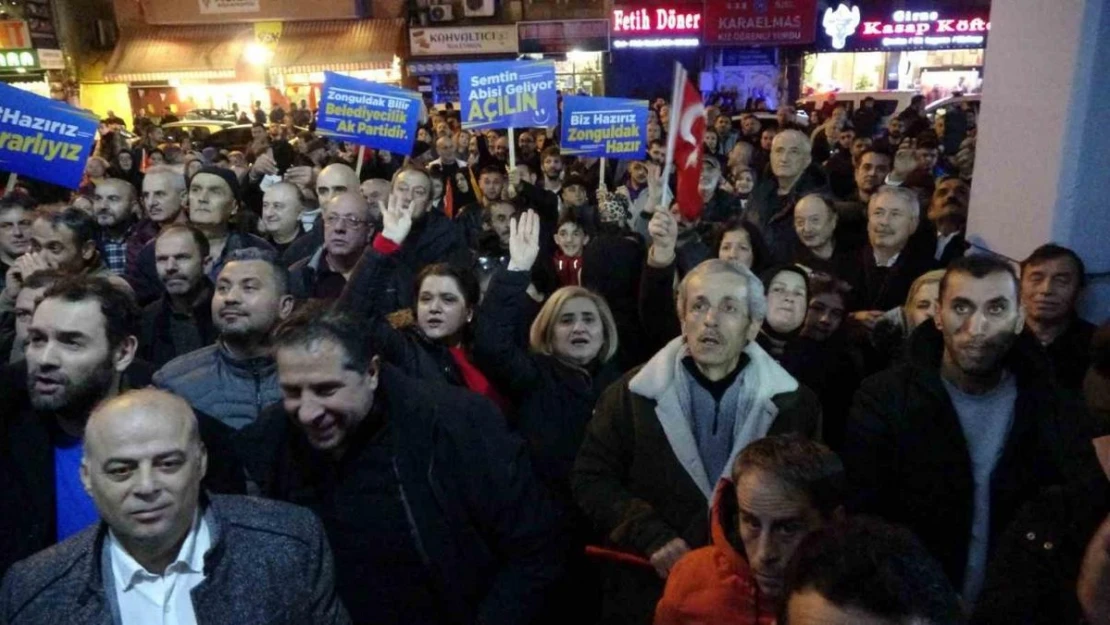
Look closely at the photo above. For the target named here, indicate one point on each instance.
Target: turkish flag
(688, 150)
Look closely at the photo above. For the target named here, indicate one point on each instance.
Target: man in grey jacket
(165, 552)
(236, 378)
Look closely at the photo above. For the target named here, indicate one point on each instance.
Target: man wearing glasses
(347, 230)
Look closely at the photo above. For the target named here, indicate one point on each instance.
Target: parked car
(886, 102)
(223, 115)
(235, 137)
(942, 105)
(769, 119)
(197, 130)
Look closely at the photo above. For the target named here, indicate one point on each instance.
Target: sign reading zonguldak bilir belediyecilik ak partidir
(44, 139)
(508, 94)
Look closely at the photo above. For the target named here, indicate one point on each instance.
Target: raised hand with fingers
(663, 229)
(524, 241)
(905, 161)
(397, 219)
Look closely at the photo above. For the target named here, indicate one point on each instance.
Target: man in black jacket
(1052, 280)
(181, 320)
(430, 505)
(228, 559)
(954, 441)
(81, 349)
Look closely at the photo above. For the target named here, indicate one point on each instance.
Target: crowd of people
(317, 383)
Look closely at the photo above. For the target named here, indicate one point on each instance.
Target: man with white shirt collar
(888, 265)
(164, 552)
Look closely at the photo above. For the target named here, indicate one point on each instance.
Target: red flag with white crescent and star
(689, 134)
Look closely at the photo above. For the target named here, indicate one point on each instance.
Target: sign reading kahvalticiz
(369, 113)
(44, 139)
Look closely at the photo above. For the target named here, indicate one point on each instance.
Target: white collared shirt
(889, 263)
(148, 599)
(942, 242)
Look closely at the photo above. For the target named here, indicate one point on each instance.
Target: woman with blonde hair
(892, 331)
(554, 383)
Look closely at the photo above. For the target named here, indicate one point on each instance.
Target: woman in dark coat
(554, 383)
(432, 339)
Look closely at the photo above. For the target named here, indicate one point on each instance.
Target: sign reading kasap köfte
(368, 113)
(44, 139)
(508, 94)
(609, 127)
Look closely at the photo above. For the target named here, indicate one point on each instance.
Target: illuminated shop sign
(846, 28)
(654, 27)
(18, 59)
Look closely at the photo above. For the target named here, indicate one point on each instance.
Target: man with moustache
(81, 349)
(952, 442)
(948, 213)
(347, 231)
(164, 197)
(181, 320)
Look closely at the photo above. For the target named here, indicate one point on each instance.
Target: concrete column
(1042, 168)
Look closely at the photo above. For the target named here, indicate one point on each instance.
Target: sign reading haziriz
(44, 139)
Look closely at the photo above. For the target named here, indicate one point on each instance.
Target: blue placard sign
(368, 113)
(508, 94)
(609, 127)
(44, 139)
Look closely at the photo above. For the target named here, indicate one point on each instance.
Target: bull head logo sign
(840, 24)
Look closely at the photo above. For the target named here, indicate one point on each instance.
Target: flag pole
(13, 179)
(672, 131)
(358, 167)
(601, 174)
(512, 149)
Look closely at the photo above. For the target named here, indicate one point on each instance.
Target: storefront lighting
(578, 56)
(622, 44)
(258, 54)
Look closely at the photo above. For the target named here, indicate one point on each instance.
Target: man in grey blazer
(163, 550)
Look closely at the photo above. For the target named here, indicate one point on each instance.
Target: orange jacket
(714, 585)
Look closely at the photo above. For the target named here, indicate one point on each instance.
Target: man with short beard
(115, 206)
(181, 320)
(234, 379)
(952, 442)
(81, 348)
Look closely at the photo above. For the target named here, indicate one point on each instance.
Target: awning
(179, 52)
(338, 46)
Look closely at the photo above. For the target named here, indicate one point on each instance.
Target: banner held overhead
(44, 139)
(369, 113)
(604, 127)
(506, 94)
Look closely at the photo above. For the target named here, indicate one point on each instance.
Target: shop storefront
(934, 51)
(578, 48)
(646, 41)
(29, 57)
(436, 52)
(216, 66)
(745, 39)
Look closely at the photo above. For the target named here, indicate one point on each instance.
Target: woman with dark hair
(432, 339)
(740, 241)
(787, 290)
